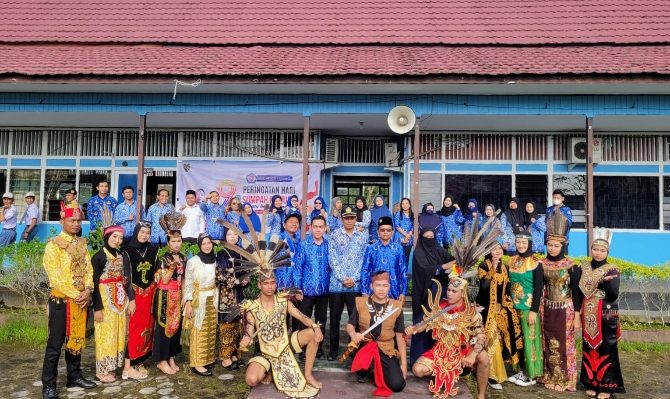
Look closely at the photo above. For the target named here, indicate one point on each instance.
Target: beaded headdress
(172, 221)
(557, 227)
(602, 236)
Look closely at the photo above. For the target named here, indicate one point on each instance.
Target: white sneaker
(524, 381)
(515, 377)
(495, 385)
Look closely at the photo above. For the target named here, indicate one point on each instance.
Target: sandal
(170, 370)
(133, 374)
(591, 393)
(604, 395)
(105, 378)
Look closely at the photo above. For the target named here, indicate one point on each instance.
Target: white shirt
(195, 222)
(32, 212)
(10, 217)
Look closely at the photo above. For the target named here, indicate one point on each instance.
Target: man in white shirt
(195, 219)
(8, 220)
(31, 218)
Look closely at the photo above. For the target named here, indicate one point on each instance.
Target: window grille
(27, 142)
(198, 144)
(4, 141)
(478, 147)
(97, 143)
(126, 143)
(62, 143)
(531, 147)
(666, 146)
(362, 150)
(629, 148)
(430, 146)
(160, 143)
(280, 144)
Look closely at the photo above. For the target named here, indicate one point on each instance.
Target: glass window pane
(495, 190)
(57, 182)
(574, 187)
(666, 202)
(88, 179)
(341, 191)
(532, 188)
(354, 191)
(21, 181)
(626, 202)
(3, 179)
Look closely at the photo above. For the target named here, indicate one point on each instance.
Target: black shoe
(232, 366)
(81, 382)
(332, 356)
(206, 373)
(320, 355)
(239, 362)
(49, 392)
(363, 379)
(209, 366)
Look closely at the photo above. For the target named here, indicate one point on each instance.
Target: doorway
(160, 180)
(350, 187)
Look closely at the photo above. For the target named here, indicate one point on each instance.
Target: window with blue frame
(626, 202)
(666, 202)
(486, 189)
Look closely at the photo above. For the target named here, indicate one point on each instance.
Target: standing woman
(472, 214)
(536, 225)
(599, 283)
(233, 211)
(452, 221)
(230, 290)
(320, 209)
(379, 210)
(430, 262)
(167, 305)
(201, 298)
(363, 217)
(255, 220)
(428, 219)
(335, 217)
(403, 221)
(490, 214)
(501, 323)
(512, 221)
(275, 218)
(109, 304)
(560, 310)
(139, 263)
(293, 205)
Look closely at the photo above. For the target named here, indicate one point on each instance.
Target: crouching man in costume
(266, 316)
(385, 350)
(68, 267)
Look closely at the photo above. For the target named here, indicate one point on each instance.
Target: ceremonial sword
(352, 346)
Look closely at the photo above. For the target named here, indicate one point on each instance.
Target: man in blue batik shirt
(346, 247)
(125, 214)
(99, 202)
(288, 276)
(314, 275)
(213, 211)
(160, 208)
(388, 256)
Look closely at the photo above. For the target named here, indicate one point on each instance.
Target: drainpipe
(415, 187)
(589, 182)
(140, 165)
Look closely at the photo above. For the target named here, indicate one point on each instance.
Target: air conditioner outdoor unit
(578, 150)
(332, 150)
(390, 155)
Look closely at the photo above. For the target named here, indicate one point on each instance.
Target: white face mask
(557, 202)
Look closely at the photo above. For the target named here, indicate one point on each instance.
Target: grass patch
(24, 329)
(638, 347)
(634, 325)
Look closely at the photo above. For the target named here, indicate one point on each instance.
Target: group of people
(9, 219)
(142, 302)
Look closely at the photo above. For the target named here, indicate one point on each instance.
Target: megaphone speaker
(401, 119)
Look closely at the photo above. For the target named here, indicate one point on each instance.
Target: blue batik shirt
(158, 236)
(233, 218)
(389, 258)
(537, 230)
(334, 223)
(212, 213)
(288, 277)
(407, 224)
(121, 214)
(345, 254)
(95, 207)
(313, 275)
(452, 227)
(273, 223)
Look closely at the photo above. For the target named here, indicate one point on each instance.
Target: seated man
(267, 316)
(460, 342)
(384, 350)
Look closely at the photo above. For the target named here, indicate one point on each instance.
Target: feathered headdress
(602, 236)
(557, 227)
(107, 222)
(172, 221)
(475, 243)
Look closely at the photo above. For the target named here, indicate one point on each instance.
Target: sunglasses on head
(144, 223)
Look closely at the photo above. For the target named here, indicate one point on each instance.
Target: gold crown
(557, 227)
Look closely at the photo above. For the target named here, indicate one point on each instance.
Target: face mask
(557, 202)
(472, 209)
(429, 211)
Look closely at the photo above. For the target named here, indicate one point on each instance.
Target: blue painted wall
(645, 247)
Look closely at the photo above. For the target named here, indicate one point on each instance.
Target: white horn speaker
(401, 119)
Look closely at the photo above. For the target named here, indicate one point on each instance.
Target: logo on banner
(254, 178)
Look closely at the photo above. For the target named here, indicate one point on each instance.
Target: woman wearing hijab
(490, 214)
(536, 225)
(379, 210)
(472, 214)
(255, 220)
(233, 211)
(512, 222)
(167, 305)
(599, 283)
(320, 209)
(403, 220)
(452, 221)
(363, 217)
(429, 219)
(501, 322)
(201, 298)
(230, 294)
(293, 205)
(139, 264)
(275, 218)
(109, 304)
(430, 262)
(334, 219)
